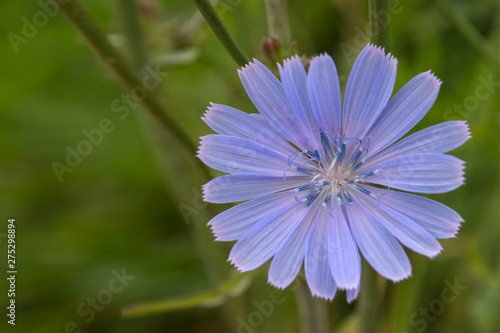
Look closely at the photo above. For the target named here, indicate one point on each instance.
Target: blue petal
(226, 120)
(345, 261)
(404, 111)
(264, 238)
(237, 155)
(422, 173)
(241, 187)
(233, 223)
(266, 93)
(352, 294)
(368, 90)
(440, 138)
(293, 77)
(406, 231)
(288, 260)
(324, 93)
(438, 219)
(316, 265)
(377, 244)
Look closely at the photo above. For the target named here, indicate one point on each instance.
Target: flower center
(334, 172)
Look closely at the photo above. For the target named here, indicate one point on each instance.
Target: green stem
(97, 40)
(220, 30)
(277, 22)
(169, 160)
(165, 155)
(232, 287)
(379, 22)
(469, 32)
(313, 311)
(368, 299)
(127, 12)
(369, 295)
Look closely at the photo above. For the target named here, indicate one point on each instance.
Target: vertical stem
(214, 263)
(369, 295)
(220, 30)
(127, 12)
(169, 159)
(313, 312)
(277, 22)
(379, 22)
(368, 299)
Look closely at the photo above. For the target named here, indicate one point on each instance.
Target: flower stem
(368, 299)
(379, 22)
(220, 30)
(234, 286)
(127, 12)
(369, 295)
(277, 22)
(214, 263)
(97, 40)
(469, 32)
(313, 311)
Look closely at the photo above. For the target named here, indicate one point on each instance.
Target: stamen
(342, 151)
(331, 186)
(303, 188)
(373, 195)
(312, 195)
(298, 169)
(314, 156)
(309, 172)
(327, 146)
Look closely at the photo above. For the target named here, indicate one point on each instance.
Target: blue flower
(319, 178)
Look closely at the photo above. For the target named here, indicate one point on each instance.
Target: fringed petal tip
(455, 232)
(401, 278)
(352, 294)
(374, 47)
(380, 49)
(328, 298)
(277, 285)
(466, 127)
(435, 80)
(208, 112)
(435, 254)
(321, 56)
(199, 152)
(287, 61)
(216, 236)
(252, 64)
(238, 267)
(218, 233)
(204, 192)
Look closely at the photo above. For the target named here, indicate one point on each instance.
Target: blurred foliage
(114, 211)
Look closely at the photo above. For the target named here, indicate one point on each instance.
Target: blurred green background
(124, 206)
